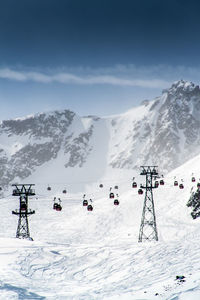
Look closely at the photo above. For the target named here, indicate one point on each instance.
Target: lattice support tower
(148, 228)
(23, 191)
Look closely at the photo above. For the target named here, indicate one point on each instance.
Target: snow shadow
(22, 293)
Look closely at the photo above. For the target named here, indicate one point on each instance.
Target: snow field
(78, 254)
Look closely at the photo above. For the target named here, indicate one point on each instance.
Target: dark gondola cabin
(116, 202)
(193, 179)
(64, 191)
(134, 185)
(59, 207)
(85, 202)
(181, 186)
(198, 185)
(156, 184)
(175, 183)
(140, 191)
(101, 185)
(49, 188)
(23, 207)
(90, 207)
(116, 187)
(55, 205)
(112, 195)
(162, 182)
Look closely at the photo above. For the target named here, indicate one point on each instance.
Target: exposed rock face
(31, 142)
(78, 149)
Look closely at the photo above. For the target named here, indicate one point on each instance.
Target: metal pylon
(23, 191)
(148, 229)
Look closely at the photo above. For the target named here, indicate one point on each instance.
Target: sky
(95, 57)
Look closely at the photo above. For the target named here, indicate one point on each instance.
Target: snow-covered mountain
(77, 254)
(164, 132)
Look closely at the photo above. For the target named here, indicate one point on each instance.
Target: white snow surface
(82, 255)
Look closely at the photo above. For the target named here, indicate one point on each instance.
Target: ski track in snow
(84, 255)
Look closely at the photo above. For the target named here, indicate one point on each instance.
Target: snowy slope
(78, 254)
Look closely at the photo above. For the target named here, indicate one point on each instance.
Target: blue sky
(94, 56)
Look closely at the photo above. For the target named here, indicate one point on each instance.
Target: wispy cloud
(151, 77)
(87, 79)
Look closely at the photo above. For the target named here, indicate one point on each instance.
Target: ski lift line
(47, 196)
(79, 182)
(93, 194)
(50, 199)
(69, 196)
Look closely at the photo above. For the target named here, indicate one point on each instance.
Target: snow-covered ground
(80, 255)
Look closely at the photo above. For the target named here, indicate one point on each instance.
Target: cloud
(150, 77)
(84, 79)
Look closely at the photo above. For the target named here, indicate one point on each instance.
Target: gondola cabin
(193, 179)
(85, 202)
(134, 185)
(175, 183)
(162, 182)
(140, 191)
(156, 184)
(112, 195)
(23, 206)
(64, 191)
(101, 185)
(58, 207)
(90, 207)
(55, 205)
(181, 186)
(116, 202)
(116, 187)
(49, 188)
(198, 185)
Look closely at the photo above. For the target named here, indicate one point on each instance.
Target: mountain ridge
(164, 131)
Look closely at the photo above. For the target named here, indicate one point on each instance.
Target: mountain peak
(183, 87)
(183, 84)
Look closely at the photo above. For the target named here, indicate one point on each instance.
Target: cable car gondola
(134, 185)
(23, 206)
(49, 188)
(193, 179)
(85, 202)
(55, 205)
(64, 191)
(162, 182)
(116, 202)
(116, 187)
(198, 185)
(175, 183)
(58, 207)
(101, 185)
(112, 195)
(90, 207)
(181, 186)
(140, 191)
(156, 184)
